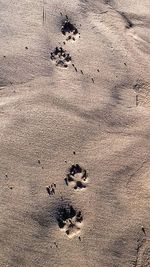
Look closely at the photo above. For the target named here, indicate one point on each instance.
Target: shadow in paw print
(60, 57)
(75, 169)
(51, 189)
(69, 30)
(69, 220)
(79, 185)
(77, 176)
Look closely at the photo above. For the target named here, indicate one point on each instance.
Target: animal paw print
(70, 221)
(51, 189)
(69, 30)
(61, 57)
(77, 177)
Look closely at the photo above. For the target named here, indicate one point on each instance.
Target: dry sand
(87, 103)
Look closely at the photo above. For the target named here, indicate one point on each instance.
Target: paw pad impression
(77, 177)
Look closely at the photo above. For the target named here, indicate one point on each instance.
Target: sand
(74, 133)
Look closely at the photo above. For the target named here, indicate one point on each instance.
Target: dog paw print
(77, 177)
(60, 57)
(69, 30)
(51, 189)
(70, 221)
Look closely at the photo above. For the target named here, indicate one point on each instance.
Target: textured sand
(94, 112)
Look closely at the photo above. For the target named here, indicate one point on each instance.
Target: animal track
(51, 189)
(77, 177)
(61, 57)
(69, 220)
(69, 30)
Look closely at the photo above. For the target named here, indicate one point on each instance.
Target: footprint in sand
(51, 189)
(76, 177)
(69, 30)
(60, 57)
(69, 220)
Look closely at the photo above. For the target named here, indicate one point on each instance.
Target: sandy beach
(75, 133)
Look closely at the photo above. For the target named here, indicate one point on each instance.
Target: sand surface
(74, 133)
